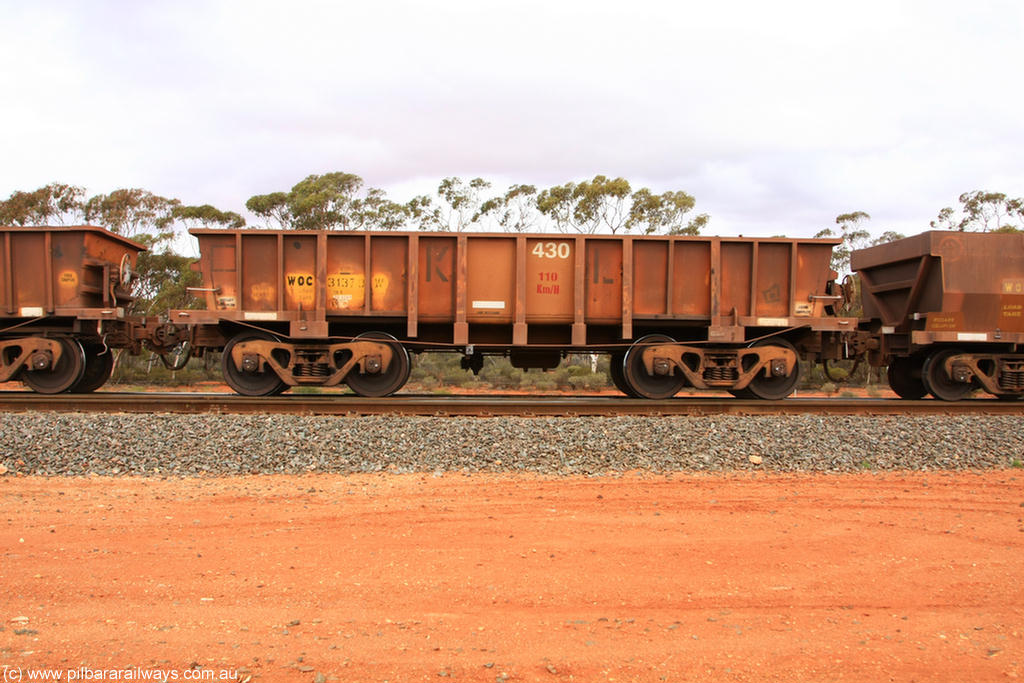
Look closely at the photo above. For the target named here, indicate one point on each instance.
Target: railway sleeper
(310, 364)
(732, 369)
(998, 374)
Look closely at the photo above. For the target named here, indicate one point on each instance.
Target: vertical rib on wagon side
(698, 302)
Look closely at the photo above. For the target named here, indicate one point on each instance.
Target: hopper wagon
(944, 311)
(317, 308)
(64, 297)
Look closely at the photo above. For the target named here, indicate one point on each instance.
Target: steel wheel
(939, 384)
(635, 375)
(99, 365)
(62, 376)
(255, 383)
(905, 377)
(773, 388)
(618, 376)
(382, 383)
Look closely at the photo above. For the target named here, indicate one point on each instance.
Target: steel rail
(486, 406)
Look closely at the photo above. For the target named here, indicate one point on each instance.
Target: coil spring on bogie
(311, 370)
(1011, 376)
(720, 374)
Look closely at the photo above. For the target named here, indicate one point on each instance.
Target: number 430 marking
(551, 250)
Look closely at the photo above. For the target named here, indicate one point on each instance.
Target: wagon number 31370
(551, 250)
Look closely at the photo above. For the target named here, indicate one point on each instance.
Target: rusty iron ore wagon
(64, 293)
(294, 308)
(945, 312)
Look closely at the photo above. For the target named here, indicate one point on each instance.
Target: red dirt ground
(895, 577)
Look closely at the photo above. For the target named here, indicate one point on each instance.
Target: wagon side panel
(436, 278)
(490, 279)
(691, 285)
(30, 274)
(603, 281)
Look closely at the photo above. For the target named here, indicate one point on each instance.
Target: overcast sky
(776, 116)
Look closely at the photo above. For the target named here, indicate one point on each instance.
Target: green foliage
(135, 213)
(439, 371)
(516, 210)
(886, 237)
(432, 370)
(324, 202)
(333, 202)
(272, 208)
(587, 206)
(602, 203)
(56, 203)
(983, 211)
(663, 213)
(147, 369)
(458, 207)
(377, 212)
(610, 204)
(163, 278)
(329, 202)
(206, 216)
(853, 235)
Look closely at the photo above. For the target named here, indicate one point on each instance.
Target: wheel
(618, 378)
(839, 371)
(773, 388)
(382, 383)
(643, 385)
(99, 365)
(904, 375)
(254, 383)
(939, 384)
(62, 376)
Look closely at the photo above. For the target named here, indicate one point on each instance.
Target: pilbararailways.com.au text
(13, 674)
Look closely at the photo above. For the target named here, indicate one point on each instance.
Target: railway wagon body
(302, 307)
(63, 298)
(947, 311)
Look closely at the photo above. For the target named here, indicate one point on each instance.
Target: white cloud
(775, 116)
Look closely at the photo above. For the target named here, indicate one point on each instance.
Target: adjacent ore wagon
(945, 312)
(63, 299)
(293, 308)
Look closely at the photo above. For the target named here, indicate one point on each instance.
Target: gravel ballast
(188, 445)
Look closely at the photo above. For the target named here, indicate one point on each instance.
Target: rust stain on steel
(497, 288)
(345, 405)
(73, 271)
(945, 286)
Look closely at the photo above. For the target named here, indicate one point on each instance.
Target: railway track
(485, 406)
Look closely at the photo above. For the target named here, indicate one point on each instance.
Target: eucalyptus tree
(514, 211)
(135, 213)
(53, 204)
(664, 213)
(206, 216)
(984, 212)
(610, 205)
(589, 206)
(853, 234)
(332, 201)
(457, 208)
